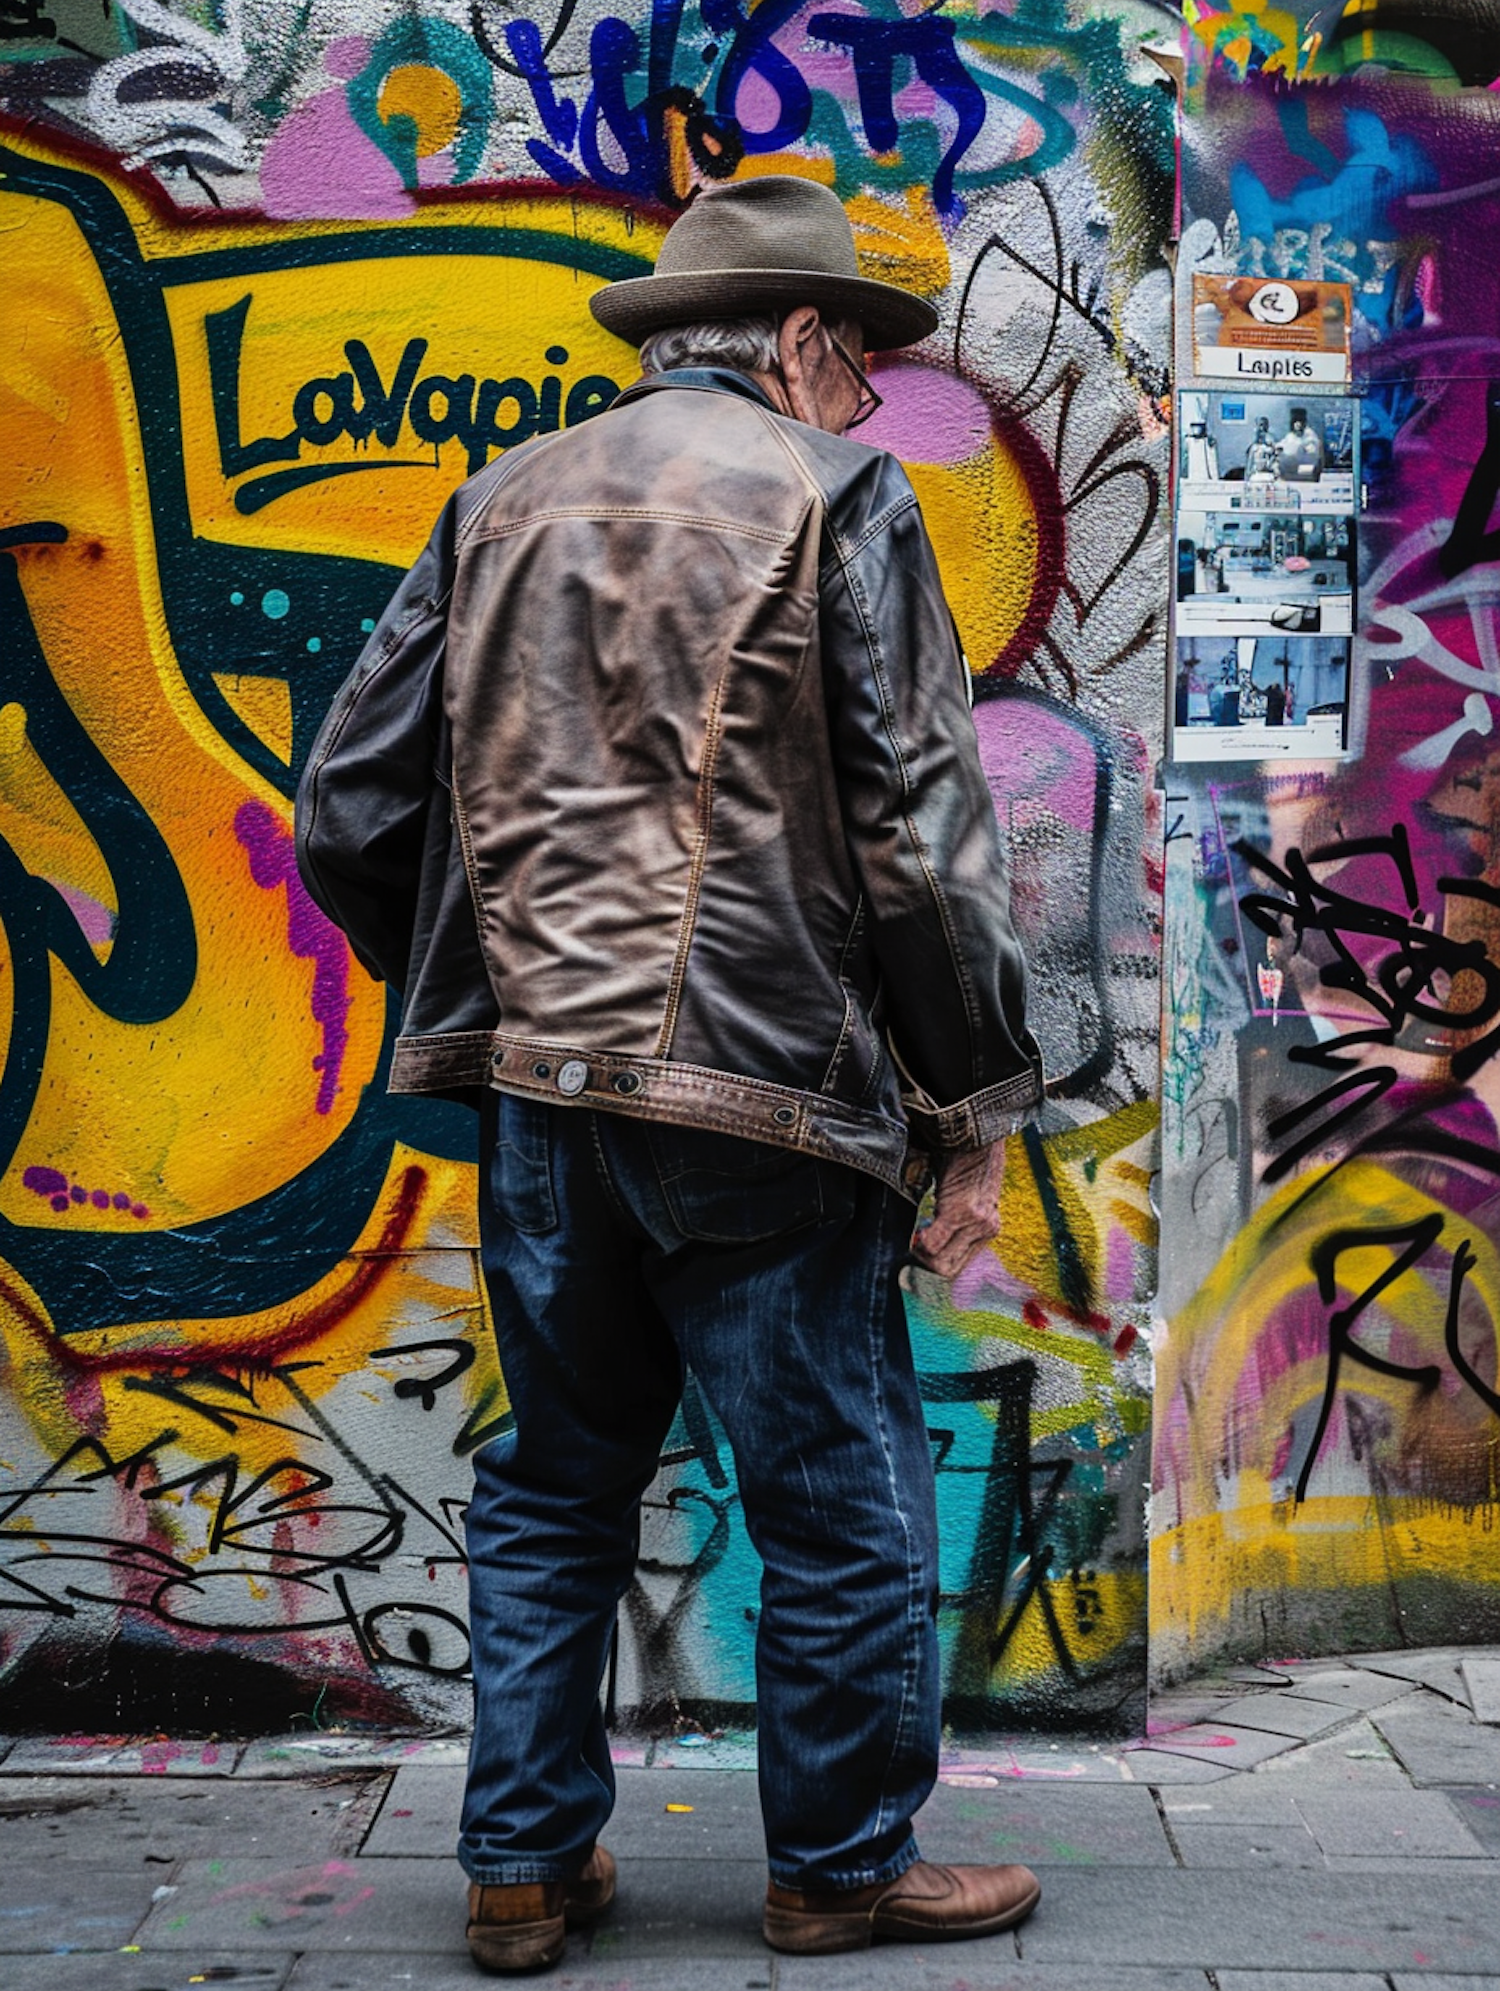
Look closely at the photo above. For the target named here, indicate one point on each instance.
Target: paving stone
(685, 1908)
(1417, 1824)
(1298, 1980)
(42, 1906)
(1153, 1766)
(160, 1820)
(119, 1755)
(419, 1819)
(1406, 1981)
(1239, 1801)
(1045, 1825)
(1060, 1763)
(1437, 1671)
(1171, 1711)
(1282, 1714)
(297, 1755)
(1480, 1811)
(1481, 1678)
(1439, 1745)
(578, 1971)
(1348, 1687)
(1278, 1920)
(112, 1971)
(1403, 1863)
(1244, 1848)
(1353, 1755)
(256, 1904)
(1235, 1748)
(1256, 1676)
(974, 1966)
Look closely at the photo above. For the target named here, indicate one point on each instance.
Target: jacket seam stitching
(919, 850)
(771, 535)
(699, 865)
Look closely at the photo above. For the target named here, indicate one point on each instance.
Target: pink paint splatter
(309, 935)
(64, 1194)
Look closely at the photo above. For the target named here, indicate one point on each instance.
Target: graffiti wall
(277, 279)
(1328, 1422)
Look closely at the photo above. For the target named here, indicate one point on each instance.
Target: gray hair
(748, 345)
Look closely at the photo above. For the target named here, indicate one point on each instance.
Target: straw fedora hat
(771, 242)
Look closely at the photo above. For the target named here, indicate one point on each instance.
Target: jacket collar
(717, 379)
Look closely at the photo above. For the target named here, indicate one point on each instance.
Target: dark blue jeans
(615, 1252)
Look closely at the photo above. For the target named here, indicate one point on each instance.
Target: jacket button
(497, 1059)
(573, 1077)
(539, 1070)
(628, 1083)
(784, 1116)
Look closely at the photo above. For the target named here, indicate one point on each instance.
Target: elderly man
(657, 795)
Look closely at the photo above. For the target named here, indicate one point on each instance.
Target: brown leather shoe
(927, 1903)
(523, 1925)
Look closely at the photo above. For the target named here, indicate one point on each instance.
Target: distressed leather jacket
(656, 790)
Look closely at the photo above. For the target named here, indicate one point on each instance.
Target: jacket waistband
(662, 1089)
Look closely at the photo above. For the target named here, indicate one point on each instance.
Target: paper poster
(1276, 451)
(1270, 332)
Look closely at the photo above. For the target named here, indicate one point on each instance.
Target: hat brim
(638, 306)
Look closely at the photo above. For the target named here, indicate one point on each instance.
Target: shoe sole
(826, 1935)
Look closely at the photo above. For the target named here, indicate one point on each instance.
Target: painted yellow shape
(901, 245)
(430, 98)
(265, 705)
(983, 525)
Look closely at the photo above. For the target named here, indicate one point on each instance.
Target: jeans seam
(912, 1636)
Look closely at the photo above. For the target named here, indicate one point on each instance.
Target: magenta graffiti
(65, 1194)
(268, 843)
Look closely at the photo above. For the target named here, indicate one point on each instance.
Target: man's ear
(799, 328)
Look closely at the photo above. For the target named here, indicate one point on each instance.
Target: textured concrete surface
(1182, 1862)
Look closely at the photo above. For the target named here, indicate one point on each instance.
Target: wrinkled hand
(967, 1212)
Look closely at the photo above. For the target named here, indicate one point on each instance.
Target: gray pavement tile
(1053, 1762)
(1481, 1679)
(1405, 1980)
(1277, 1920)
(578, 1971)
(256, 1904)
(1348, 1687)
(163, 1819)
(1403, 1863)
(43, 1907)
(112, 1971)
(1214, 1742)
(1418, 1824)
(1480, 1811)
(297, 1755)
(1239, 1801)
(419, 1819)
(1153, 1766)
(1283, 1714)
(1255, 1676)
(1045, 1825)
(988, 1965)
(119, 1756)
(1245, 1848)
(1440, 1745)
(1298, 1980)
(1181, 1710)
(682, 1909)
(1437, 1671)
(1353, 1755)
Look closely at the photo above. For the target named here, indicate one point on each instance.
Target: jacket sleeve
(922, 832)
(370, 780)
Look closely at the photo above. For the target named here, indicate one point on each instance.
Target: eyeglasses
(869, 401)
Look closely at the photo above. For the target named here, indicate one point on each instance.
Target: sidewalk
(1331, 1826)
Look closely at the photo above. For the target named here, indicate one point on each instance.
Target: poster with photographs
(1264, 634)
(1261, 697)
(1280, 452)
